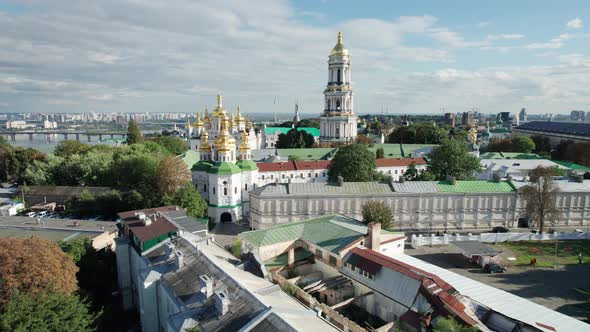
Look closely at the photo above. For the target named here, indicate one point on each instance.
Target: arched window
(337, 105)
(329, 105)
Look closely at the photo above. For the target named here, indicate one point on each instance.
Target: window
(395, 172)
(324, 174)
(246, 186)
(390, 171)
(213, 190)
(205, 187)
(262, 177)
(291, 176)
(318, 253)
(235, 190)
(338, 76)
(333, 261)
(316, 175)
(302, 175)
(282, 176)
(272, 177)
(309, 175)
(225, 191)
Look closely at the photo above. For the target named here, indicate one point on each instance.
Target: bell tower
(338, 122)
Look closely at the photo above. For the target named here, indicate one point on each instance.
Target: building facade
(338, 122)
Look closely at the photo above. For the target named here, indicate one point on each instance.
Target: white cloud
(482, 24)
(553, 44)
(576, 23)
(511, 36)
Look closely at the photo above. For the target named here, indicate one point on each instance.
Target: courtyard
(559, 288)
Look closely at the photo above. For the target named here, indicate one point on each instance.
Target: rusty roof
(399, 162)
(158, 227)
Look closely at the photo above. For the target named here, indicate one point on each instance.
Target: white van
(30, 214)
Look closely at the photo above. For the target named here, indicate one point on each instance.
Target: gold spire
(224, 141)
(198, 122)
(473, 135)
(239, 118)
(231, 121)
(219, 111)
(244, 147)
(248, 123)
(205, 147)
(339, 49)
(206, 116)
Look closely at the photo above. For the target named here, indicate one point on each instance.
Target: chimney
(340, 181)
(374, 237)
(221, 303)
(206, 284)
(144, 219)
(169, 249)
(178, 260)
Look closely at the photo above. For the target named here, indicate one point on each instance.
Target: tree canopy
(67, 148)
(378, 212)
(48, 311)
(295, 139)
(418, 133)
(522, 144)
(133, 133)
(173, 174)
(452, 158)
(188, 198)
(540, 196)
(449, 324)
(412, 174)
(173, 145)
(355, 163)
(31, 265)
(576, 152)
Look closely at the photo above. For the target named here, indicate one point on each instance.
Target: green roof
(191, 157)
(247, 165)
(574, 166)
(509, 155)
(283, 130)
(224, 167)
(476, 186)
(308, 153)
(332, 232)
(202, 166)
(282, 259)
(390, 150)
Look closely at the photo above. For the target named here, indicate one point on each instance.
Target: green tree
(449, 324)
(236, 247)
(378, 212)
(173, 145)
(46, 311)
(189, 199)
(294, 158)
(540, 196)
(542, 144)
(402, 135)
(68, 148)
(523, 144)
(133, 133)
(295, 139)
(452, 158)
(355, 163)
(380, 153)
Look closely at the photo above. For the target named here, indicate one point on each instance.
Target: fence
(428, 240)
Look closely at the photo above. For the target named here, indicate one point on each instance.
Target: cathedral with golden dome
(225, 172)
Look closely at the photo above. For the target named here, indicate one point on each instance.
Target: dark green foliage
(412, 174)
(314, 123)
(418, 133)
(47, 311)
(189, 199)
(449, 324)
(542, 144)
(378, 212)
(236, 248)
(294, 158)
(134, 135)
(173, 145)
(14, 162)
(576, 152)
(380, 153)
(355, 163)
(522, 144)
(295, 139)
(452, 159)
(68, 148)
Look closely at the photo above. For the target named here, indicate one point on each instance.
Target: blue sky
(408, 56)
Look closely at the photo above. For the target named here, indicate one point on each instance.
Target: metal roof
(501, 301)
(563, 185)
(476, 186)
(518, 164)
(415, 187)
(568, 128)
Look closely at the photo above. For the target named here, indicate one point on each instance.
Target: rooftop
(476, 248)
(319, 189)
(399, 162)
(567, 128)
(293, 166)
(563, 185)
(574, 166)
(159, 224)
(459, 186)
(518, 164)
(509, 155)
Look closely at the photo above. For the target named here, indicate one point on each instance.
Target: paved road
(550, 287)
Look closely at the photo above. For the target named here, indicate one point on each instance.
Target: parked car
(30, 214)
(500, 229)
(493, 268)
(42, 214)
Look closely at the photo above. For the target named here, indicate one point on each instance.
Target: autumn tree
(355, 163)
(364, 139)
(133, 133)
(378, 212)
(173, 174)
(48, 310)
(32, 265)
(540, 196)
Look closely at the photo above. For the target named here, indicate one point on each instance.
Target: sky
(407, 56)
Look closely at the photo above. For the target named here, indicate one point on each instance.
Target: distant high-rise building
(577, 115)
(468, 119)
(505, 116)
(449, 119)
(522, 116)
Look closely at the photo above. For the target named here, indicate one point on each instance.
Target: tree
(295, 139)
(173, 145)
(523, 144)
(173, 174)
(31, 265)
(189, 199)
(68, 148)
(378, 212)
(540, 196)
(449, 324)
(411, 174)
(48, 310)
(452, 159)
(294, 158)
(133, 133)
(542, 144)
(364, 139)
(379, 153)
(355, 163)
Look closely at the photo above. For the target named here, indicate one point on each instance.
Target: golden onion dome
(205, 147)
(239, 118)
(244, 145)
(339, 49)
(224, 142)
(198, 123)
(219, 110)
(206, 118)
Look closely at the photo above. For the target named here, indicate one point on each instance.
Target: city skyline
(407, 58)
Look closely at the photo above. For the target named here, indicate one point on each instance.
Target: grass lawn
(544, 252)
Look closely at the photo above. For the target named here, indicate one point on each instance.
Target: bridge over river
(50, 135)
